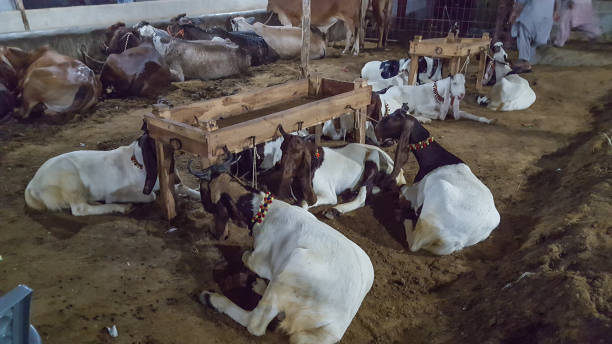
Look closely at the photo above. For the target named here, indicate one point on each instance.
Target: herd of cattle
(313, 277)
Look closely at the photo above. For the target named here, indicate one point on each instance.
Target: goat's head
(296, 164)
(147, 154)
(210, 173)
(400, 125)
(457, 86)
(239, 24)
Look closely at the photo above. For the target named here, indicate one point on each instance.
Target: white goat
(450, 208)
(317, 277)
(430, 101)
(383, 74)
(75, 180)
(511, 92)
(347, 125)
(285, 40)
(324, 173)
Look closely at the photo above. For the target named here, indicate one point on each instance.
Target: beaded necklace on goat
(263, 208)
(421, 144)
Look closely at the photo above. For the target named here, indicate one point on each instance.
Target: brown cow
(120, 38)
(382, 12)
(59, 83)
(323, 14)
(139, 71)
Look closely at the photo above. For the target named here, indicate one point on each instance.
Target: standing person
(575, 14)
(531, 22)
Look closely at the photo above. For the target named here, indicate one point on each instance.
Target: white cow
(449, 207)
(317, 277)
(430, 101)
(77, 180)
(511, 92)
(324, 173)
(285, 40)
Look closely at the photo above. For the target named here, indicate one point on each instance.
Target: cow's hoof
(331, 213)
(493, 121)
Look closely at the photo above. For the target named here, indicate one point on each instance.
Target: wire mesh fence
(434, 18)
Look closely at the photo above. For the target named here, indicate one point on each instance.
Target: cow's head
(146, 153)
(119, 38)
(301, 157)
(19, 59)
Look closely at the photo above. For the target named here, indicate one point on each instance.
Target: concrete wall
(100, 16)
(71, 41)
(603, 9)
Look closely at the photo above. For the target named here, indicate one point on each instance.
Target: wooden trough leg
(318, 133)
(360, 115)
(414, 67)
(165, 169)
(454, 65)
(481, 70)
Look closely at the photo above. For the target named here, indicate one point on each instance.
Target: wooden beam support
(305, 38)
(241, 103)
(360, 113)
(414, 69)
(165, 169)
(236, 137)
(482, 64)
(318, 133)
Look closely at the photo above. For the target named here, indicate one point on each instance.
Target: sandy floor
(549, 168)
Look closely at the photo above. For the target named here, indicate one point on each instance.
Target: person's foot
(521, 66)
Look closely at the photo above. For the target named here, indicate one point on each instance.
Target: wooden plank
(264, 129)
(165, 169)
(360, 114)
(330, 87)
(318, 133)
(305, 38)
(481, 70)
(241, 103)
(414, 66)
(454, 65)
(186, 144)
(176, 129)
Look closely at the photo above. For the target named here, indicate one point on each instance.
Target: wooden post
(165, 170)
(318, 133)
(482, 64)
(360, 115)
(414, 69)
(454, 65)
(305, 37)
(24, 18)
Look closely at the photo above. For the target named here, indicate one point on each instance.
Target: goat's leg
(189, 192)
(367, 184)
(463, 114)
(223, 305)
(259, 286)
(81, 209)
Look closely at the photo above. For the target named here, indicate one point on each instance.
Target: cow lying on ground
(197, 59)
(77, 180)
(256, 46)
(447, 207)
(138, 71)
(286, 41)
(318, 277)
(382, 74)
(429, 101)
(321, 174)
(510, 91)
(324, 14)
(8, 85)
(59, 83)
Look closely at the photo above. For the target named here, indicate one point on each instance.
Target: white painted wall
(100, 16)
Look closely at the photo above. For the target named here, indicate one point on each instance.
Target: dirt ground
(548, 167)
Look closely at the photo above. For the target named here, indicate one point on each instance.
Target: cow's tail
(362, 15)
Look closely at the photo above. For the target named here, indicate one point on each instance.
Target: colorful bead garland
(263, 209)
(421, 144)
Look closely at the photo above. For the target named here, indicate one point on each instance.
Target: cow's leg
(81, 209)
(367, 184)
(350, 32)
(176, 71)
(463, 114)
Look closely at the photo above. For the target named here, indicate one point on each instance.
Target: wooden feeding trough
(450, 47)
(243, 120)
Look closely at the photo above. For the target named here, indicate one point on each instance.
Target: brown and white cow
(120, 38)
(138, 71)
(59, 83)
(382, 12)
(324, 14)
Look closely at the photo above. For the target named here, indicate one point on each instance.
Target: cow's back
(322, 11)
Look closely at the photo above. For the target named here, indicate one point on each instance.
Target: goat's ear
(402, 151)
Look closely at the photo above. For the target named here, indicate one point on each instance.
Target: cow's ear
(17, 57)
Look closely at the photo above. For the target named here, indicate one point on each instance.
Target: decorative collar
(135, 162)
(421, 144)
(180, 33)
(439, 98)
(263, 208)
(437, 95)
